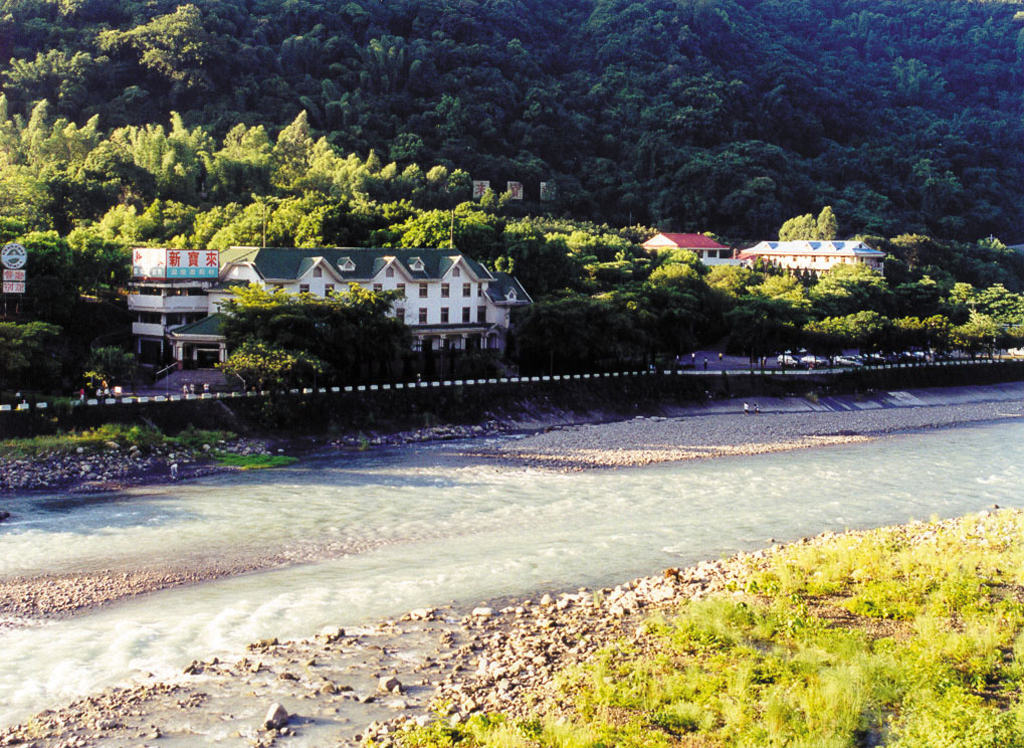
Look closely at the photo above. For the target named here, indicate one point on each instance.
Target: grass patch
(254, 462)
(928, 652)
(144, 437)
(194, 438)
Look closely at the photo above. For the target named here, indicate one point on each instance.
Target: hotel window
(389, 273)
(467, 289)
(444, 315)
(444, 291)
(423, 316)
(456, 273)
(481, 314)
(480, 291)
(377, 287)
(465, 314)
(401, 288)
(328, 289)
(423, 290)
(303, 288)
(318, 272)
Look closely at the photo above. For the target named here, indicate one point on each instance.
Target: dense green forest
(364, 124)
(721, 115)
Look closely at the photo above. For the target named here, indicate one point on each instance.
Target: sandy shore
(780, 426)
(342, 688)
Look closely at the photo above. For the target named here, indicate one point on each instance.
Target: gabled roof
(505, 289)
(207, 327)
(682, 241)
(815, 248)
(288, 263)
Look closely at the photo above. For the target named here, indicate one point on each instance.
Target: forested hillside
(721, 115)
(311, 123)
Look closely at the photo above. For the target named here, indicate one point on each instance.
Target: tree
(827, 227)
(847, 289)
(824, 227)
(269, 367)
(23, 353)
(346, 332)
(110, 365)
(761, 326)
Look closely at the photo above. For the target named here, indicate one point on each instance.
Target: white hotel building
(449, 300)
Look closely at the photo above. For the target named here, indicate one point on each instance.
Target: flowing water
(363, 537)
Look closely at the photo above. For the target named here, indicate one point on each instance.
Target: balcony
(169, 304)
(148, 329)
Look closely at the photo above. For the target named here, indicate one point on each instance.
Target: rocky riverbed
(113, 466)
(343, 688)
(646, 440)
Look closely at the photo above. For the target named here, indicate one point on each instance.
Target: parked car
(848, 361)
(787, 361)
(813, 362)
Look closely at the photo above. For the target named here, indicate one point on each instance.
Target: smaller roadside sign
(13, 287)
(14, 275)
(13, 256)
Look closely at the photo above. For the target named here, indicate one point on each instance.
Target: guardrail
(750, 372)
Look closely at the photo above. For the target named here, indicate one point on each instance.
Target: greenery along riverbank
(115, 454)
(909, 636)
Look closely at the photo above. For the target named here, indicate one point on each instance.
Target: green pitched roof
(289, 263)
(498, 289)
(212, 326)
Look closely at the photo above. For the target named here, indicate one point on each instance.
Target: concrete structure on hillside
(814, 256)
(448, 300)
(707, 249)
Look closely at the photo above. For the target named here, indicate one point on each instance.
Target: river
(366, 536)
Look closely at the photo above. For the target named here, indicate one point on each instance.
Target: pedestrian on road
(746, 409)
(705, 363)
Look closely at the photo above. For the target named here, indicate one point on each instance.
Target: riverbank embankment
(511, 657)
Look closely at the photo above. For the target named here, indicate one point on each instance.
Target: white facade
(168, 290)
(447, 299)
(815, 256)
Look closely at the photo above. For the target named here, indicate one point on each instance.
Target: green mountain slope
(718, 115)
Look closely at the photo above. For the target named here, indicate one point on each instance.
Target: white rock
(483, 612)
(277, 717)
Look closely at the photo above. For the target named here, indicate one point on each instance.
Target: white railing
(490, 382)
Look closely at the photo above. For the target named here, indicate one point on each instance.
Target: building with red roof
(707, 249)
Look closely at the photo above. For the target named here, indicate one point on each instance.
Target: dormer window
(511, 295)
(346, 265)
(416, 264)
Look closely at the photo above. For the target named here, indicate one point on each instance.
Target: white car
(787, 361)
(848, 361)
(811, 361)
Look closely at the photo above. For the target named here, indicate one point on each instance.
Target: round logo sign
(13, 256)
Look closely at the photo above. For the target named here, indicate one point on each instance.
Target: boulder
(277, 717)
(392, 685)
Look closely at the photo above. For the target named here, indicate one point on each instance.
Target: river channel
(360, 537)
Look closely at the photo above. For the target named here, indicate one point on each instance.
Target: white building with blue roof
(813, 255)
